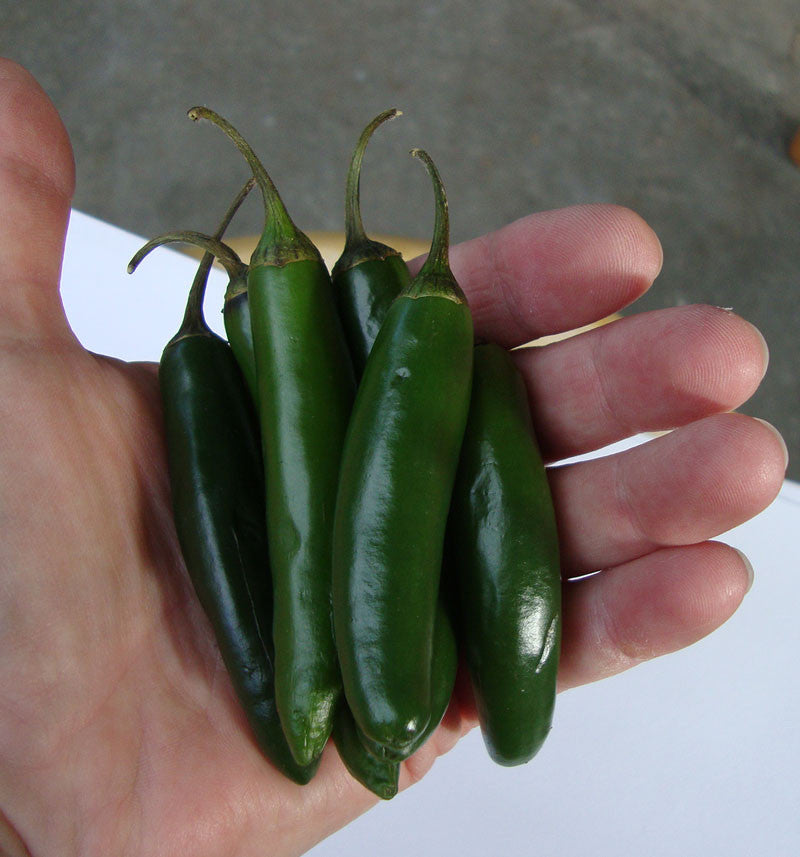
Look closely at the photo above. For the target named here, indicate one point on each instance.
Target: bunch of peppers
(359, 495)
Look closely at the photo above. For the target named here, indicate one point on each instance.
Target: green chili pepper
(379, 775)
(396, 479)
(503, 546)
(305, 392)
(236, 314)
(368, 275)
(444, 666)
(374, 765)
(218, 501)
(367, 278)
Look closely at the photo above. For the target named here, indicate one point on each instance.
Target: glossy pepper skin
(371, 764)
(444, 666)
(305, 388)
(214, 459)
(368, 275)
(503, 545)
(396, 478)
(364, 294)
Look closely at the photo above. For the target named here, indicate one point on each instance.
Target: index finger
(554, 271)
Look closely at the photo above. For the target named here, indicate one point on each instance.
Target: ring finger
(682, 488)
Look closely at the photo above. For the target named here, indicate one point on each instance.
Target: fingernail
(749, 566)
(780, 440)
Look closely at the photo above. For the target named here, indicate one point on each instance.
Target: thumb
(37, 178)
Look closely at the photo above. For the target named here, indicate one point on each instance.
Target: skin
(119, 732)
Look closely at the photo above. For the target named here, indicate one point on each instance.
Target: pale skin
(119, 732)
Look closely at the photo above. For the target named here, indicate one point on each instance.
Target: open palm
(119, 731)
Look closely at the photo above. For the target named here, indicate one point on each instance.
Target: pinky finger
(648, 607)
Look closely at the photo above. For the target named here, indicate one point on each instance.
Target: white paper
(130, 316)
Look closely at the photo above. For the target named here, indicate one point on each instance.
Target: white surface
(693, 754)
(131, 316)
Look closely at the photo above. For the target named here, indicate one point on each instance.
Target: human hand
(119, 731)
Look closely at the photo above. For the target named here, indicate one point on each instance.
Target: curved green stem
(281, 241)
(437, 260)
(193, 319)
(353, 225)
(228, 257)
(435, 276)
(273, 204)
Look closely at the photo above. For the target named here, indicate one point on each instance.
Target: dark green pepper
(216, 478)
(305, 393)
(503, 548)
(236, 314)
(377, 774)
(372, 764)
(396, 478)
(444, 666)
(368, 275)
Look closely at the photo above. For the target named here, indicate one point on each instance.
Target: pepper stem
(437, 256)
(435, 276)
(227, 256)
(281, 241)
(353, 225)
(193, 319)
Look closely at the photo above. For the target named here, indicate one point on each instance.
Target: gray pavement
(681, 110)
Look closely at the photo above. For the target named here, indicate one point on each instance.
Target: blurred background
(682, 110)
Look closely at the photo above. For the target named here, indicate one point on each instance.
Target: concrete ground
(681, 109)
